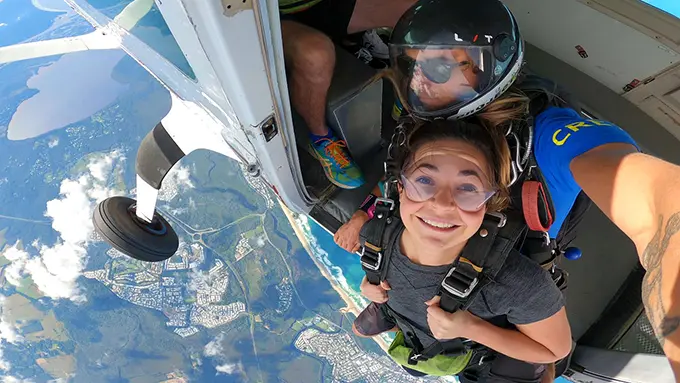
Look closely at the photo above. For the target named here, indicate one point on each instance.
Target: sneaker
(338, 165)
(375, 45)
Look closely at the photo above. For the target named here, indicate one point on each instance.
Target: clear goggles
(463, 180)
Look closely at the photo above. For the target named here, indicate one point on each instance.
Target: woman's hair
(490, 143)
(496, 118)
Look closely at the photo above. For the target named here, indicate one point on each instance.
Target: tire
(115, 220)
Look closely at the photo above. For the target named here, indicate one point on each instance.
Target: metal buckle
(455, 291)
(385, 201)
(501, 217)
(368, 265)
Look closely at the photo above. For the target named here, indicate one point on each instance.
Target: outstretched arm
(347, 235)
(641, 195)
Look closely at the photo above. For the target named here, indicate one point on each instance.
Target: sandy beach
(351, 305)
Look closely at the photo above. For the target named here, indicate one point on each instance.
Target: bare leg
(357, 333)
(310, 57)
(370, 14)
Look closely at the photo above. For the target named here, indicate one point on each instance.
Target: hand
(347, 235)
(445, 325)
(375, 293)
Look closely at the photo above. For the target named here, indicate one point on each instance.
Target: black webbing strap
(481, 260)
(371, 240)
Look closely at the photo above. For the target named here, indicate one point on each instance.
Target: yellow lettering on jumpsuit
(561, 136)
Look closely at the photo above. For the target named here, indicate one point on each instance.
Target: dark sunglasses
(438, 69)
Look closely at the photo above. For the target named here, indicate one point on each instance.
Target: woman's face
(459, 81)
(443, 169)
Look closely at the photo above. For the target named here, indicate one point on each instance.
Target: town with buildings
(156, 286)
(243, 247)
(349, 362)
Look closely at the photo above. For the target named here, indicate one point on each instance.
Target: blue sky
(670, 6)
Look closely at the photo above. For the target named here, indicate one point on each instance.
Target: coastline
(345, 295)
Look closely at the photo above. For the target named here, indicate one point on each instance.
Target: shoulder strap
(372, 239)
(481, 260)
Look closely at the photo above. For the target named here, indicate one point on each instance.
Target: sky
(670, 6)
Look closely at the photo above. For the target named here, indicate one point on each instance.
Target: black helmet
(453, 57)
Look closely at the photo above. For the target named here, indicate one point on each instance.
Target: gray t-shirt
(522, 291)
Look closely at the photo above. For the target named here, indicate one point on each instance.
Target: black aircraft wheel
(115, 220)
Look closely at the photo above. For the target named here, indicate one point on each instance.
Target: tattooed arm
(641, 195)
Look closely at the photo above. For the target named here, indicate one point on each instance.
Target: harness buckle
(384, 202)
(461, 292)
(502, 218)
(370, 262)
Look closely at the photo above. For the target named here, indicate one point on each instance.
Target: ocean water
(343, 264)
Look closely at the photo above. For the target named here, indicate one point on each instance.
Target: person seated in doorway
(308, 29)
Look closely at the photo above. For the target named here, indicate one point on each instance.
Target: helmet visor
(442, 79)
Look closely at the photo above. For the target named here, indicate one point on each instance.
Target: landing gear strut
(134, 227)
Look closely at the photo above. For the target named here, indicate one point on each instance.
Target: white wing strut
(97, 40)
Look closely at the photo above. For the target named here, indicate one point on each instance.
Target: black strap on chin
(481, 260)
(373, 255)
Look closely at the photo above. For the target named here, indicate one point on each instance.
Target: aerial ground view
(247, 298)
(255, 292)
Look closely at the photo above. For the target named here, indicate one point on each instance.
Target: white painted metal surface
(127, 18)
(617, 53)
(228, 33)
(222, 43)
(172, 78)
(147, 196)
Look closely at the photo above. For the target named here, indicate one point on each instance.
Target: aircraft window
(668, 6)
(144, 20)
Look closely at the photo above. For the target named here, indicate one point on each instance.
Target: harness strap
(373, 255)
(481, 260)
(535, 202)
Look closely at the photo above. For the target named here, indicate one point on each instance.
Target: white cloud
(229, 368)
(3, 24)
(8, 334)
(4, 365)
(260, 241)
(53, 142)
(55, 269)
(11, 379)
(101, 168)
(174, 182)
(198, 280)
(214, 347)
(15, 270)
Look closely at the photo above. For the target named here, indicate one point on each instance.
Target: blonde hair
(512, 107)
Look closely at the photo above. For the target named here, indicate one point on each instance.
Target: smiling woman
(452, 186)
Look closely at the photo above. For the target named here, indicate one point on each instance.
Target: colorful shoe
(337, 163)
